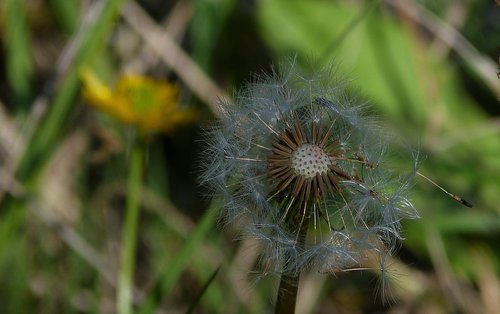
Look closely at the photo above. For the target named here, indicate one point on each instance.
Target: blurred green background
(428, 67)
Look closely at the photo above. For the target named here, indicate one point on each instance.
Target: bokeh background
(428, 67)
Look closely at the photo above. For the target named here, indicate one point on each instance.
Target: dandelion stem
(129, 233)
(289, 282)
(287, 294)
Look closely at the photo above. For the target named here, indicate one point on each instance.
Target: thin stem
(129, 235)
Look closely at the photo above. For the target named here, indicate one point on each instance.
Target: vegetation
(101, 209)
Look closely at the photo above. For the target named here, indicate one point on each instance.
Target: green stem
(129, 235)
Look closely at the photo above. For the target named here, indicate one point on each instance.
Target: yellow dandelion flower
(151, 105)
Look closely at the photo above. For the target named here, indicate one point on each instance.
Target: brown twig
(174, 56)
(459, 294)
(482, 65)
(175, 24)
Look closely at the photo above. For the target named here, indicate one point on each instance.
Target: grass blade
(203, 290)
(167, 279)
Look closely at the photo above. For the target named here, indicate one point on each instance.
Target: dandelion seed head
(300, 167)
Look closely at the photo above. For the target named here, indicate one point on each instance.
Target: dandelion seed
(297, 145)
(387, 279)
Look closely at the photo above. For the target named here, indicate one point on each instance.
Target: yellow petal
(94, 91)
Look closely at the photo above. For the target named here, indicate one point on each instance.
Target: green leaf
(67, 12)
(18, 53)
(55, 119)
(206, 26)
